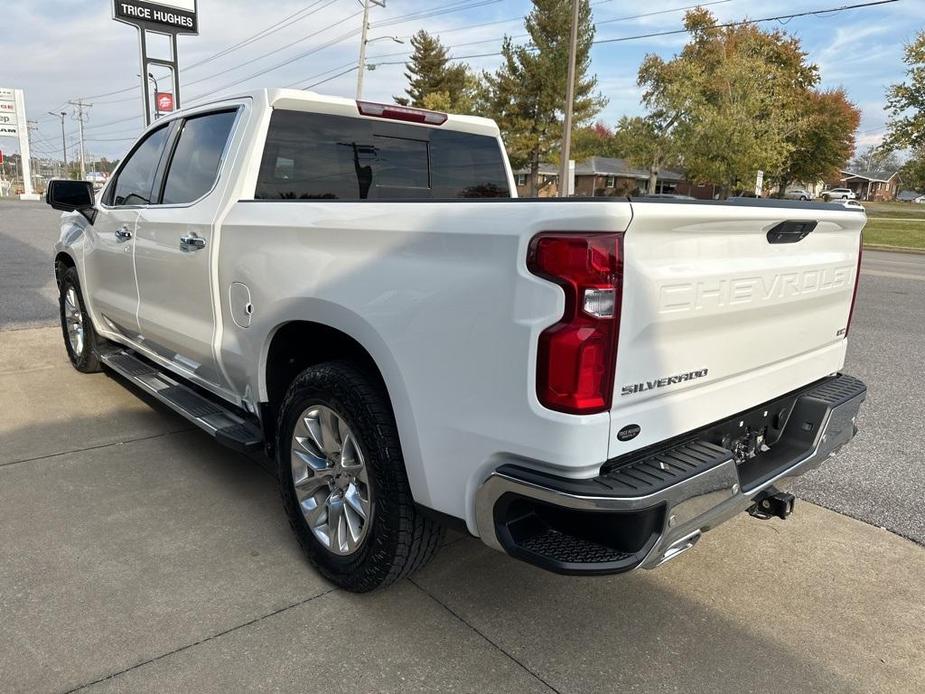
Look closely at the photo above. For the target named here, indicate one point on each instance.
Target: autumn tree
(906, 102)
(825, 140)
(731, 100)
(433, 81)
(525, 95)
(595, 140)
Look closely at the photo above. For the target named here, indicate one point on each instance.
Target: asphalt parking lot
(138, 555)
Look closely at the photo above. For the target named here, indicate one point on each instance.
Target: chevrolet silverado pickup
(353, 289)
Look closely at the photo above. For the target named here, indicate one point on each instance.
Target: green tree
(648, 143)
(435, 83)
(912, 172)
(906, 101)
(825, 142)
(731, 99)
(526, 94)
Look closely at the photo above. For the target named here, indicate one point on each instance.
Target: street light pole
(361, 66)
(569, 106)
(61, 115)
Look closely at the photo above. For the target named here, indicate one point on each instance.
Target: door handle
(192, 242)
(122, 233)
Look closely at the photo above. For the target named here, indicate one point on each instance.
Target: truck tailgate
(718, 315)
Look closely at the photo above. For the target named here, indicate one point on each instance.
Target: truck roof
(302, 100)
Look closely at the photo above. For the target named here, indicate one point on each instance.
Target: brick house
(869, 185)
(598, 177)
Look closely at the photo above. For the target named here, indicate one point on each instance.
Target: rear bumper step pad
(651, 505)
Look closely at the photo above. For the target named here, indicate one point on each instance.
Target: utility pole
(361, 66)
(79, 107)
(61, 115)
(569, 106)
(31, 127)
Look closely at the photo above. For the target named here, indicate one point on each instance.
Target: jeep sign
(164, 16)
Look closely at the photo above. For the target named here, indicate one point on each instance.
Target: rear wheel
(343, 482)
(80, 339)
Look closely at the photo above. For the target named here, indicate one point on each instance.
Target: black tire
(804, 198)
(85, 359)
(400, 539)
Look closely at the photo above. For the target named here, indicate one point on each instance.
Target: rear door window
(311, 156)
(197, 157)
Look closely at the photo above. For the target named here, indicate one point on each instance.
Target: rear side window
(313, 156)
(197, 157)
(133, 186)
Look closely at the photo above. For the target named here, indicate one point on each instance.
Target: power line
(728, 25)
(636, 37)
(281, 24)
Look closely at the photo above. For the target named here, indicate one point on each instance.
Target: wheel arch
(63, 261)
(294, 345)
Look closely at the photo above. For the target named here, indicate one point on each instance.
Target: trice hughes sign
(164, 16)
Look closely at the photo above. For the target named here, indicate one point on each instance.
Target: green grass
(905, 210)
(890, 232)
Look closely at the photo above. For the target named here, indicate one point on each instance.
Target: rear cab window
(314, 156)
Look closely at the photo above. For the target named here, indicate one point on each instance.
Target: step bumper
(651, 506)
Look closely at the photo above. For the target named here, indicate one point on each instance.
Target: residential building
(598, 177)
(869, 185)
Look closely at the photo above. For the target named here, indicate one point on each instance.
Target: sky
(61, 50)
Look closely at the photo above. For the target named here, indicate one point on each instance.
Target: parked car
(797, 194)
(586, 384)
(838, 194)
(668, 196)
(848, 204)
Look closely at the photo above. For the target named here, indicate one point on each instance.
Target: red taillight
(857, 281)
(412, 115)
(577, 356)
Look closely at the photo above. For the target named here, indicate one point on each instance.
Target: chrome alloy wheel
(331, 480)
(74, 320)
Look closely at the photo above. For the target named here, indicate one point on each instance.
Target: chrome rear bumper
(655, 506)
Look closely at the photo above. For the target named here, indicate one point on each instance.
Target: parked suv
(353, 288)
(838, 194)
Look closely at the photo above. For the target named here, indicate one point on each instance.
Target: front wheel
(80, 339)
(343, 481)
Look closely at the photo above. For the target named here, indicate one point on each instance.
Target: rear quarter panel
(439, 294)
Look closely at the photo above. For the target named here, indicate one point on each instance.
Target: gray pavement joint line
(449, 609)
(202, 641)
(96, 448)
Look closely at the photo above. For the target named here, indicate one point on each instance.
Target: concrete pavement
(137, 555)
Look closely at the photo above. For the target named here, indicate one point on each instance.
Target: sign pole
(145, 96)
(167, 17)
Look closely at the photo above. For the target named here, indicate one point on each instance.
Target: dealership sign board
(9, 114)
(13, 124)
(162, 16)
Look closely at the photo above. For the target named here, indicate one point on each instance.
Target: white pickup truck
(587, 385)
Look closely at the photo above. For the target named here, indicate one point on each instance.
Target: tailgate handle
(791, 231)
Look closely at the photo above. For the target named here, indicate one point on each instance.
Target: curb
(895, 249)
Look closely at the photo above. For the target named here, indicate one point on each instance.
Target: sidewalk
(138, 555)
